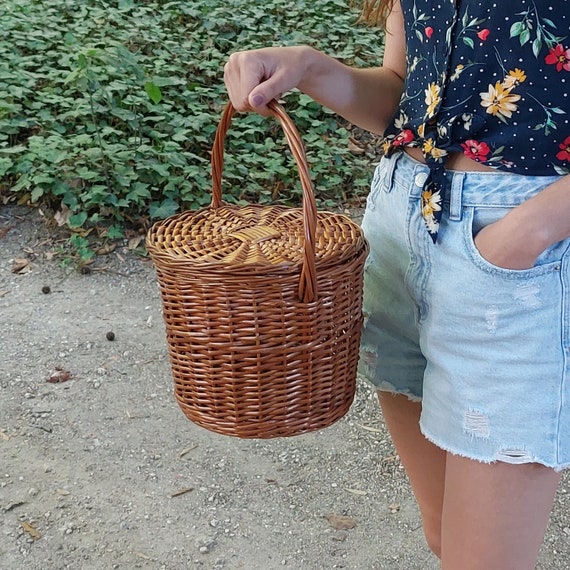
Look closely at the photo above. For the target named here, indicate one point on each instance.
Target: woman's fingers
(253, 78)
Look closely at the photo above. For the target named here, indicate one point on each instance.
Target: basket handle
(308, 280)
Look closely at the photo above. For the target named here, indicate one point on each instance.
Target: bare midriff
(455, 161)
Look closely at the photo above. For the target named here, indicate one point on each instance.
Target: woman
(467, 284)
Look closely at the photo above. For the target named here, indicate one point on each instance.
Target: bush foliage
(108, 108)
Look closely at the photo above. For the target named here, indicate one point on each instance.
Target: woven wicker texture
(262, 307)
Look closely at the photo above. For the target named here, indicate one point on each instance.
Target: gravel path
(99, 469)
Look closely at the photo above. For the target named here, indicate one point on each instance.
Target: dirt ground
(99, 468)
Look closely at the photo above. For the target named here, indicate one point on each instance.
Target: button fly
(420, 179)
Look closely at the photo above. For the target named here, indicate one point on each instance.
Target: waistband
(468, 188)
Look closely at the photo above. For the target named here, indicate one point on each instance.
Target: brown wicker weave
(262, 306)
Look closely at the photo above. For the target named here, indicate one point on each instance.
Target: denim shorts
(485, 349)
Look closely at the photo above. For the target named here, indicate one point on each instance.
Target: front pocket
(478, 217)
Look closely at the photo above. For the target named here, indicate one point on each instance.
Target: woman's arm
(365, 97)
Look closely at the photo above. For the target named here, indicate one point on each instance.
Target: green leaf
(524, 37)
(36, 194)
(536, 46)
(77, 220)
(516, 29)
(163, 209)
(153, 91)
(115, 232)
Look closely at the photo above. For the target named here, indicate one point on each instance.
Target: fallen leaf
(59, 376)
(4, 436)
(4, 231)
(106, 249)
(394, 508)
(62, 492)
(355, 147)
(389, 458)
(374, 430)
(62, 216)
(133, 416)
(181, 492)
(21, 266)
(135, 242)
(341, 522)
(186, 450)
(31, 530)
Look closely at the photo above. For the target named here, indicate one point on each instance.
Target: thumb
(263, 93)
(258, 99)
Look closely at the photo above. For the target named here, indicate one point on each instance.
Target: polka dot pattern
(488, 79)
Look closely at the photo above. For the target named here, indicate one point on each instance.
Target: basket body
(253, 353)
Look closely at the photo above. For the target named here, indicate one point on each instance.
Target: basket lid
(252, 238)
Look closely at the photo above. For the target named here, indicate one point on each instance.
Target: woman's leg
(423, 461)
(476, 516)
(494, 515)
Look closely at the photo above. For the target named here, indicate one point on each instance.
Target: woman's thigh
(494, 515)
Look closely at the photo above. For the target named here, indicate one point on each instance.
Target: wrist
(325, 79)
(545, 218)
(526, 228)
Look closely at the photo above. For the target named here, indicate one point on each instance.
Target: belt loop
(456, 196)
(386, 182)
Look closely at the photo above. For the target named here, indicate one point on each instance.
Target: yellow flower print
(499, 101)
(386, 144)
(432, 98)
(515, 77)
(431, 203)
(430, 149)
(421, 130)
(457, 72)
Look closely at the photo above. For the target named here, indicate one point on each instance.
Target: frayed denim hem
(388, 387)
(513, 456)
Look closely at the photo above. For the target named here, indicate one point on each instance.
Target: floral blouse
(490, 79)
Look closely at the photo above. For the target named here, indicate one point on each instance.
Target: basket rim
(178, 258)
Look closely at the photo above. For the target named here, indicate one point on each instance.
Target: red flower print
(483, 34)
(403, 138)
(475, 150)
(560, 57)
(564, 153)
(429, 32)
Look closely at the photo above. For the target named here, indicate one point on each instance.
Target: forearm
(365, 97)
(546, 216)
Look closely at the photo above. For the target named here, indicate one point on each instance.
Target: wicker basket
(262, 307)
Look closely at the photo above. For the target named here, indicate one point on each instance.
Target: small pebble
(46, 290)
(110, 335)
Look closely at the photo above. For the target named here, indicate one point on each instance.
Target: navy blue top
(489, 79)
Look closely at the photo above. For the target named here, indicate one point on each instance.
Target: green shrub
(108, 109)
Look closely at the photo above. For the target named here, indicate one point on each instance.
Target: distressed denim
(485, 349)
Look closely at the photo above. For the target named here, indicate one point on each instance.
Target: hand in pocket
(503, 246)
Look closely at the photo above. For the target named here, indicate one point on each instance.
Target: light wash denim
(485, 349)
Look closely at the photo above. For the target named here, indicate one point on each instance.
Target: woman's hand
(506, 246)
(253, 78)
